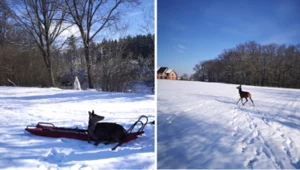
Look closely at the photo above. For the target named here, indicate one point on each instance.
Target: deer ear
(93, 112)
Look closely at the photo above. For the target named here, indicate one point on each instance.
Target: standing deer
(244, 94)
(104, 132)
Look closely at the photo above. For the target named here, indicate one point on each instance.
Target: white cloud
(62, 37)
(181, 46)
(135, 13)
(73, 30)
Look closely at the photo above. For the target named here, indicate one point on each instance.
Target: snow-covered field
(200, 126)
(20, 107)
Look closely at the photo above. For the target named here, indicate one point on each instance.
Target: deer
(244, 94)
(104, 132)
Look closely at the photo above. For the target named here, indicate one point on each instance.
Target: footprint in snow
(169, 119)
(251, 163)
(258, 151)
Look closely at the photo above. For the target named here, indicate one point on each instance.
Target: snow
(76, 84)
(20, 149)
(169, 71)
(200, 126)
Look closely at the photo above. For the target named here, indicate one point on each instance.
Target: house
(161, 73)
(171, 74)
(166, 73)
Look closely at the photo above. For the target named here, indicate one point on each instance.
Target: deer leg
(252, 101)
(238, 101)
(106, 141)
(88, 137)
(97, 142)
(245, 101)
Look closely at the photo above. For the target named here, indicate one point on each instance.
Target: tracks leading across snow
(252, 129)
(287, 143)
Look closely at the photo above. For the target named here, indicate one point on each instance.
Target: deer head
(95, 118)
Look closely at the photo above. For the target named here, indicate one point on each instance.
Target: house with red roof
(166, 73)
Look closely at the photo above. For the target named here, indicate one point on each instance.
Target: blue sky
(137, 17)
(190, 31)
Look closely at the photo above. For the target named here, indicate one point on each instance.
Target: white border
(155, 82)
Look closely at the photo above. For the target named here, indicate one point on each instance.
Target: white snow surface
(201, 126)
(20, 149)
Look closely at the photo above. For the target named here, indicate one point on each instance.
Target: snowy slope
(20, 107)
(200, 126)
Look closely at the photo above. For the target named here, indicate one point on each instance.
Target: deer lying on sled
(104, 132)
(244, 94)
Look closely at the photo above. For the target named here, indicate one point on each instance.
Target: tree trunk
(50, 69)
(53, 84)
(89, 66)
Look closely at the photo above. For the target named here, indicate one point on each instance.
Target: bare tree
(254, 64)
(3, 25)
(43, 20)
(184, 77)
(148, 15)
(92, 17)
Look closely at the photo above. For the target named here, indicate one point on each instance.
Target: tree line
(117, 64)
(32, 52)
(254, 64)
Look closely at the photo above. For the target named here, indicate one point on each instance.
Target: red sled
(49, 130)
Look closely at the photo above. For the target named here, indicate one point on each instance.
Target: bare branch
(43, 20)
